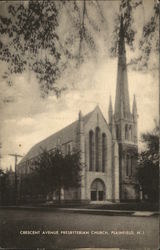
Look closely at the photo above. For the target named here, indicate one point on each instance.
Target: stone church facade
(108, 150)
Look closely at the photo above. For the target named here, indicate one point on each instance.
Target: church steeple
(122, 105)
(125, 125)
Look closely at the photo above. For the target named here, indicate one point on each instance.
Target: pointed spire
(110, 105)
(121, 43)
(122, 105)
(80, 122)
(113, 129)
(80, 115)
(110, 111)
(134, 107)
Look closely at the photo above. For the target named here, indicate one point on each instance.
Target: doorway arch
(97, 190)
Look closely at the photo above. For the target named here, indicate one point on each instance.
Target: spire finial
(110, 105)
(110, 112)
(80, 115)
(134, 107)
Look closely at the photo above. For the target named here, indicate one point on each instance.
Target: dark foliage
(7, 188)
(126, 10)
(29, 30)
(30, 38)
(149, 41)
(2, 185)
(150, 37)
(52, 172)
(148, 171)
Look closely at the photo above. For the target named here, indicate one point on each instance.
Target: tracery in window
(91, 150)
(104, 152)
(97, 148)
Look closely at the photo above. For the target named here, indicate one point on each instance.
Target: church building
(108, 149)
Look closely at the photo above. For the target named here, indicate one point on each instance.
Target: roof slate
(66, 134)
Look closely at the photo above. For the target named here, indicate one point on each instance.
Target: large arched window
(97, 155)
(104, 152)
(91, 148)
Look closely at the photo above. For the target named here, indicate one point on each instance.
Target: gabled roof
(65, 135)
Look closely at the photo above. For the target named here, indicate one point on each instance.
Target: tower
(126, 127)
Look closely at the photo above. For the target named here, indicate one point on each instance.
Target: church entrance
(97, 190)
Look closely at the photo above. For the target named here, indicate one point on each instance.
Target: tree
(148, 171)
(30, 187)
(52, 172)
(32, 36)
(7, 188)
(28, 40)
(126, 11)
(148, 43)
(2, 185)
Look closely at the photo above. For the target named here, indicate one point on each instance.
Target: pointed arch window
(91, 150)
(97, 155)
(104, 151)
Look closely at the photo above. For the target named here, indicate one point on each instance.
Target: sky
(28, 118)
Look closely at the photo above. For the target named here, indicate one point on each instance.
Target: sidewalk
(110, 212)
(87, 211)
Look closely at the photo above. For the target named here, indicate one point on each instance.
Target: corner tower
(126, 127)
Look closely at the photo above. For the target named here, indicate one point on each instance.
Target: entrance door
(97, 190)
(93, 195)
(100, 195)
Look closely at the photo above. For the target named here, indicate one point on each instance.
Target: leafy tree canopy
(52, 172)
(33, 37)
(148, 171)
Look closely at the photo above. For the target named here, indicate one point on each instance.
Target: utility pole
(0, 153)
(15, 168)
(16, 159)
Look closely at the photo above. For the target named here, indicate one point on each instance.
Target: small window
(128, 166)
(130, 132)
(126, 132)
(65, 149)
(68, 149)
